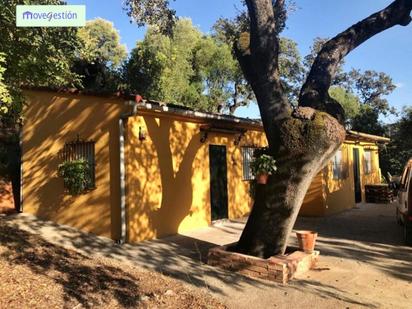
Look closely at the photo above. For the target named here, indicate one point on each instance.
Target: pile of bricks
(379, 194)
(279, 268)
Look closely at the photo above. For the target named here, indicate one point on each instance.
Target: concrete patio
(363, 262)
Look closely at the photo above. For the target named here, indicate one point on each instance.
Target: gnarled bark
(310, 138)
(304, 140)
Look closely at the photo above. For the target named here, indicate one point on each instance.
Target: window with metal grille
(340, 167)
(247, 155)
(367, 155)
(81, 150)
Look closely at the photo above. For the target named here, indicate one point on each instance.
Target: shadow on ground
(368, 234)
(178, 256)
(354, 235)
(81, 282)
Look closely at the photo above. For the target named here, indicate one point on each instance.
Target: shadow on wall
(167, 179)
(177, 187)
(339, 193)
(51, 122)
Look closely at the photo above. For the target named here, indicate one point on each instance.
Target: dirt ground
(363, 264)
(37, 274)
(6, 196)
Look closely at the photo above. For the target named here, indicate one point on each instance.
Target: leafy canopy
(349, 101)
(100, 42)
(188, 68)
(32, 57)
(369, 87)
(395, 155)
(99, 56)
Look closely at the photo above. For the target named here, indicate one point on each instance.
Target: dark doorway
(218, 182)
(356, 176)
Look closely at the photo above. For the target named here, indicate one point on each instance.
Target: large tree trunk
(304, 140)
(309, 139)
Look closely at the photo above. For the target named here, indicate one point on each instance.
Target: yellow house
(161, 169)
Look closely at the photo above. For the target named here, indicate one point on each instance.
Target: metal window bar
(340, 165)
(340, 171)
(367, 162)
(247, 156)
(85, 150)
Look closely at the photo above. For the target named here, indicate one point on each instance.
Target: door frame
(357, 175)
(225, 211)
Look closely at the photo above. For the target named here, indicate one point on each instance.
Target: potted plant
(306, 240)
(262, 167)
(76, 176)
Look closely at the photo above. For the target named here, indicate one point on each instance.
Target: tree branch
(280, 11)
(314, 92)
(262, 23)
(257, 53)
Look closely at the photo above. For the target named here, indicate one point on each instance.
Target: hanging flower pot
(307, 240)
(262, 179)
(76, 176)
(262, 167)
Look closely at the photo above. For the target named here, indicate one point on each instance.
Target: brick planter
(279, 268)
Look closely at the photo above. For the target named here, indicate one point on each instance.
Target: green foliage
(290, 61)
(369, 87)
(100, 42)
(158, 13)
(225, 91)
(395, 155)
(349, 101)
(290, 68)
(76, 176)
(99, 56)
(263, 164)
(367, 121)
(32, 57)
(5, 97)
(187, 68)
(155, 13)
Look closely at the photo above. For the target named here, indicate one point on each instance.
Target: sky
(389, 52)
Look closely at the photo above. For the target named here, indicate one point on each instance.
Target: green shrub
(76, 176)
(263, 164)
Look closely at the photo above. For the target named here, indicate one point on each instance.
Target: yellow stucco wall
(339, 193)
(168, 181)
(375, 176)
(328, 196)
(51, 120)
(167, 174)
(314, 202)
